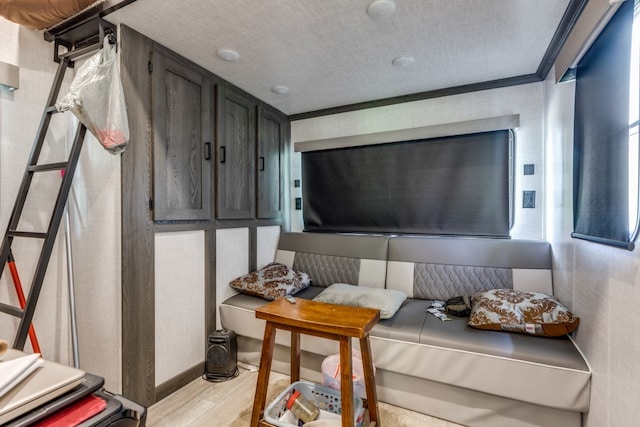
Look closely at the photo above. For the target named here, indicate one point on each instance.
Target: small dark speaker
(222, 356)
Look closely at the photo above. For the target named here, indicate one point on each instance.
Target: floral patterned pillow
(272, 281)
(532, 313)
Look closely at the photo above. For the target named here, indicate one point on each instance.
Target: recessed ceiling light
(403, 61)
(280, 89)
(381, 9)
(228, 55)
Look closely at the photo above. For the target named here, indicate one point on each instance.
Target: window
(457, 185)
(606, 135)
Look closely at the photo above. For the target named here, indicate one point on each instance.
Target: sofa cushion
(445, 267)
(538, 370)
(386, 300)
(532, 313)
(336, 258)
(406, 325)
(327, 269)
(441, 282)
(272, 281)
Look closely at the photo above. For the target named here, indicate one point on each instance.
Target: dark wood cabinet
(210, 136)
(180, 117)
(272, 131)
(236, 148)
(182, 138)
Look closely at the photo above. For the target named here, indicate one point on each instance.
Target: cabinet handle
(207, 151)
(223, 154)
(261, 164)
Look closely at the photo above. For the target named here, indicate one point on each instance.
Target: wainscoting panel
(267, 243)
(232, 260)
(179, 303)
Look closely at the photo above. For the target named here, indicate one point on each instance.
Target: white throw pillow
(388, 301)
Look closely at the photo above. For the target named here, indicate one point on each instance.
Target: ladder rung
(9, 309)
(48, 167)
(16, 233)
(51, 109)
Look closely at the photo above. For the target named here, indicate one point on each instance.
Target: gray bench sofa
(444, 369)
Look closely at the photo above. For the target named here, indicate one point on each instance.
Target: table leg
(263, 374)
(346, 382)
(369, 379)
(295, 356)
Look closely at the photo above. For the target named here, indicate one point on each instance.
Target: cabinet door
(272, 128)
(182, 140)
(236, 155)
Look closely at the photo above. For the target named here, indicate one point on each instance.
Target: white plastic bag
(331, 373)
(97, 99)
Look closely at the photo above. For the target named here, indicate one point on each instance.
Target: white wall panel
(95, 213)
(268, 238)
(232, 260)
(179, 302)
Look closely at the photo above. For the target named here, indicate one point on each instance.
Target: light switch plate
(529, 199)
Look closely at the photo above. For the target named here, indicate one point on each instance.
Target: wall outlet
(528, 199)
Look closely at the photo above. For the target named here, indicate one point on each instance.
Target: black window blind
(448, 186)
(601, 135)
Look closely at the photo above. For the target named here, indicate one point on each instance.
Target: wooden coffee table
(330, 321)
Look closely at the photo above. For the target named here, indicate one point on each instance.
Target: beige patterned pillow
(532, 313)
(272, 281)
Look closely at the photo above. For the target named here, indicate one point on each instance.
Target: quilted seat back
(336, 258)
(444, 267)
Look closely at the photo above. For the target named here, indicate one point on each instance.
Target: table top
(320, 317)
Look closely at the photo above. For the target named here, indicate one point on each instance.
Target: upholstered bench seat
(417, 344)
(442, 368)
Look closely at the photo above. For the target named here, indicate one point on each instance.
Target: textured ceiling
(330, 53)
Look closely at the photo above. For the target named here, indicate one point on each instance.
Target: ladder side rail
(47, 246)
(21, 197)
(48, 111)
(66, 62)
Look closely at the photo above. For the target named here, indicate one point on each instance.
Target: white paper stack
(12, 372)
(28, 381)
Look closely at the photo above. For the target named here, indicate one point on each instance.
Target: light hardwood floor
(228, 404)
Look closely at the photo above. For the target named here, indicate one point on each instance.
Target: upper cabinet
(215, 147)
(182, 137)
(236, 151)
(272, 132)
